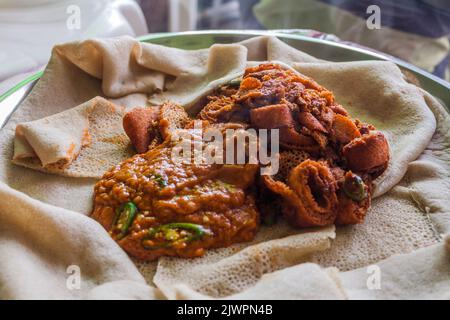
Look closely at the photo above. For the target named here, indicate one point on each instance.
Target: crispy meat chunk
(139, 125)
(344, 129)
(327, 163)
(368, 153)
(309, 194)
(272, 117)
(150, 126)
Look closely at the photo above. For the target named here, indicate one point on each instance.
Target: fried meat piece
(270, 97)
(283, 99)
(315, 195)
(139, 126)
(344, 129)
(151, 125)
(309, 194)
(368, 153)
(172, 116)
(272, 117)
(221, 109)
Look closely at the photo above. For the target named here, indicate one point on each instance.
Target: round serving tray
(320, 48)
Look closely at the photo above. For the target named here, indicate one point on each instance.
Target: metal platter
(322, 49)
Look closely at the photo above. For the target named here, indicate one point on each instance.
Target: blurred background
(417, 31)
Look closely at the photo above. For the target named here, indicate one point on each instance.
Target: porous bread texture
(66, 83)
(175, 114)
(172, 116)
(108, 143)
(390, 218)
(311, 282)
(226, 271)
(146, 268)
(289, 159)
(376, 93)
(429, 176)
(53, 141)
(420, 275)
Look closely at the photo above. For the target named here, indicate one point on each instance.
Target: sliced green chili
(354, 187)
(160, 180)
(225, 185)
(172, 234)
(235, 82)
(124, 218)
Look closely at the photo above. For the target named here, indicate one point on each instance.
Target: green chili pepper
(172, 234)
(160, 180)
(354, 187)
(229, 187)
(220, 184)
(124, 218)
(235, 82)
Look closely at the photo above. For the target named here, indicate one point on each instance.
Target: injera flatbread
(127, 72)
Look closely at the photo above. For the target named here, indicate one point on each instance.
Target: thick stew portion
(153, 205)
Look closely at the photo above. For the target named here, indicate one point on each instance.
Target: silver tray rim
(11, 99)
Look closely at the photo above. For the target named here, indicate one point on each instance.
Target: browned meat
(369, 153)
(272, 117)
(309, 194)
(138, 125)
(344, 129)
(150, 126)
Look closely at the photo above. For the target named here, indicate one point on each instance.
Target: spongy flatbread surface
(108, 144)
(56, 139)
(126, 71)
(409, 228)
(311, 283)
(226, 271)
